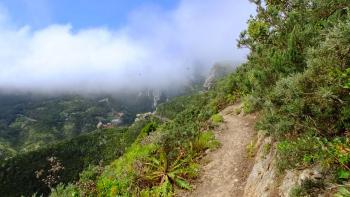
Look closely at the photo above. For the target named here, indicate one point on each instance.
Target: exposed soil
(225, 170)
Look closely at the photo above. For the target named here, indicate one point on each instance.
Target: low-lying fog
(155, 49)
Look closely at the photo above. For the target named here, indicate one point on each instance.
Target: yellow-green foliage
(165, 189)
(250, 103)
(266, 149)
(251, 148)
(217, 118)
(257, 29)
(119, 177)
(163, 173)
(342, 192)
(205, 140)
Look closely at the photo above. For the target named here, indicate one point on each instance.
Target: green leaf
(343, 174)
(342, 192)
(183, 184)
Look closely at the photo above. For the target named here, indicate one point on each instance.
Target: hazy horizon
(156, 46)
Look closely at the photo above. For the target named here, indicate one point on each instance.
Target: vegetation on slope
(74, 155)
(28, 122)
(297, 75)
(164, 156)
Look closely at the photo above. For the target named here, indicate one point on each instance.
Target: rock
(263, 174)
(263, 181)
(104, 100)
(309, 174)
(216, 72)
(117, 122)
(99, 125)
(288, 182)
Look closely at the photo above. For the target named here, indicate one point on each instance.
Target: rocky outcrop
(117, 121)
(157, 96)
(143, 116)
(216, 72)
(264, 180)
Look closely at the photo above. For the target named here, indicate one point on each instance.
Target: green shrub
(250, 104)
(119, 177)
(297, 191)
(149, 127)
(162, 172)
(217, 118)
(251, 148)
(346, 76)
(65, 191)
(205, 140)
(301, 152)
(308, 187)
(333, 155)
(342, 192)
(267, 149)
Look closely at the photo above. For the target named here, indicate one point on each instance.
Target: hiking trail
(225, 170)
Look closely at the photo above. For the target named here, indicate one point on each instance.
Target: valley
(30, 121)
(158, 99)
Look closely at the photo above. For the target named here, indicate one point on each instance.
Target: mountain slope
(29, 121)
(297, 77)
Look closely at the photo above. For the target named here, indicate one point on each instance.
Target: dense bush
(297, 74)
(217, 118)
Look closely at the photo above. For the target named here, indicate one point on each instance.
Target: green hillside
(28, 122)
(18, 174)
(297, 77)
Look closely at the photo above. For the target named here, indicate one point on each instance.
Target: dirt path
(226, 169)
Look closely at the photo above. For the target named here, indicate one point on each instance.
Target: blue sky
(78, 13)
(109, 45)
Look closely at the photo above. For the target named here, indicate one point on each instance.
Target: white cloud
(157, 48)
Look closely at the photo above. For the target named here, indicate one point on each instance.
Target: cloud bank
(156, 49)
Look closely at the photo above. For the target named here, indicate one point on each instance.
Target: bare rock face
(313, 174)
(262, 179)
(294, 178)
(99, 125)
(216, 72)
(143, 116)
(117, 122)
(289, 181)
